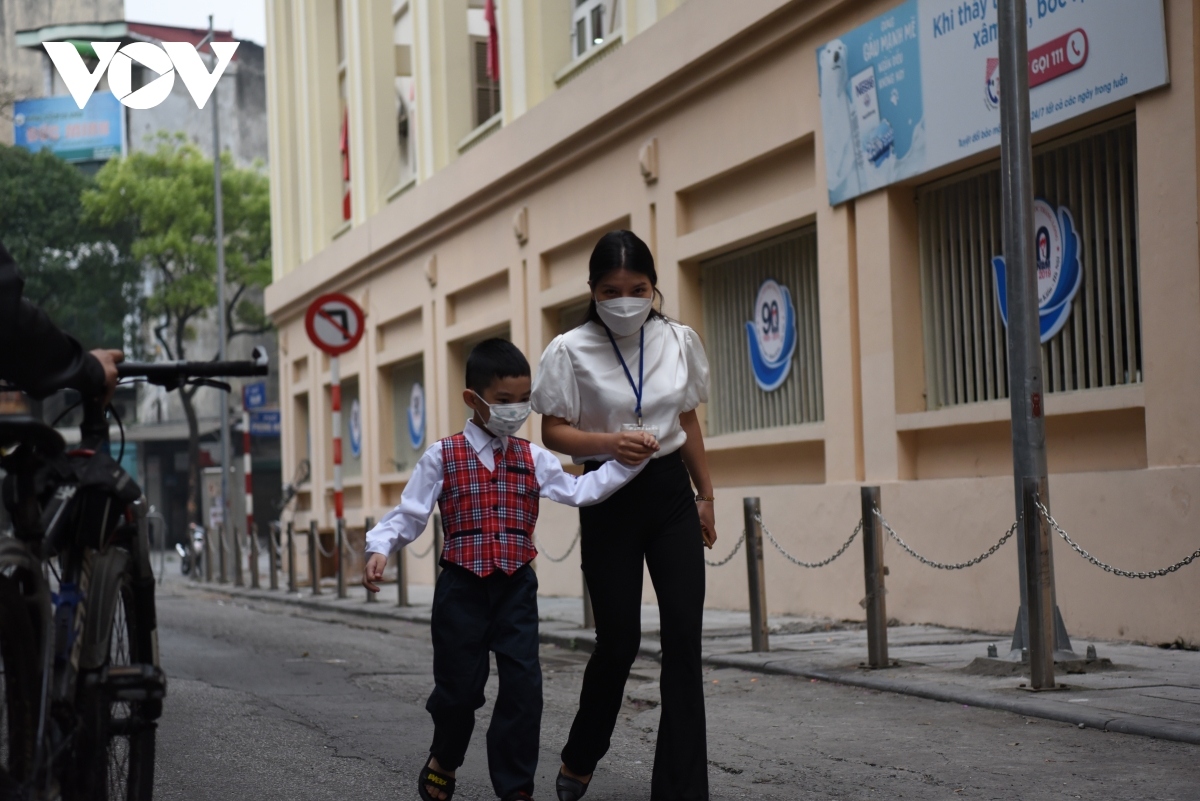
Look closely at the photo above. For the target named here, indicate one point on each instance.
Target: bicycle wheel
(21, 686)
(117, 743)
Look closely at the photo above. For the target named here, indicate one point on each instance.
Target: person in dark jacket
(37, 356)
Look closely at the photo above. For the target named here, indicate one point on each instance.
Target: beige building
(454, 208)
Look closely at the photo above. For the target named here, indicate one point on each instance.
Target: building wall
(22, 72)
(726, 94)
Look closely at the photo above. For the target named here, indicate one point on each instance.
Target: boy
(487, 484)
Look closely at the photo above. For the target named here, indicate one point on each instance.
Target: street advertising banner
(92, 133)
(918, 87)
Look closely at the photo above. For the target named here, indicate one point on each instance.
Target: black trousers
(472, 616)
(652, 519)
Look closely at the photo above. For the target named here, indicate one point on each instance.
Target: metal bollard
(223, 577)
(273, 554)
(368, 524)
(873, 568)
(756, 577)
(291, 553)
(314, 558)
(253, 565)
(208, 555)
(402, 577)
(438, 544)
(238, 579)
(339, 560)
(589, 615)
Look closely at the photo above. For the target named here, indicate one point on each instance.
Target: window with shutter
(1093, 176)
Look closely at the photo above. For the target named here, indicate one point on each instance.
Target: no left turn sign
(334, 323)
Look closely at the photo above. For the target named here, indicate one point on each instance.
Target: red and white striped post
(248, 470)
(335, 324)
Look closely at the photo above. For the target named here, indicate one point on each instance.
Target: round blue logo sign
(416, 416)
(1059, 275)
(771, 335)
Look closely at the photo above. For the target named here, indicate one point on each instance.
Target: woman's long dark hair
(618, 250)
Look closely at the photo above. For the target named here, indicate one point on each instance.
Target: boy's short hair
(492, 359)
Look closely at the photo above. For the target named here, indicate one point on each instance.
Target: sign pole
(335, 399)
(219, 214)
(247, 469)
(1024, 347)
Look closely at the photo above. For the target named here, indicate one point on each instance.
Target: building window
(731, 287)
(405, 88)
(485, 91)
(410, 417)
(1093, 176)
(592, 23)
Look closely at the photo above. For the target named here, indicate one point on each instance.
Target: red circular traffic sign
(334, 323)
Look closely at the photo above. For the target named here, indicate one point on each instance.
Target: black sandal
(437, 779)
(569, 789)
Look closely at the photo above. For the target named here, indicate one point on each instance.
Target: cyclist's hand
(373, 571)
(109, 359)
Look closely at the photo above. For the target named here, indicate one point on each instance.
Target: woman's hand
(632, 447)
(708, 522)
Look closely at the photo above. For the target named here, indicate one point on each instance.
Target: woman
(629, 365)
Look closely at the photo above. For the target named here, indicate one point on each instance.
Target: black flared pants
(652, 520)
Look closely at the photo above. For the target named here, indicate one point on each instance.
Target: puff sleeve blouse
(581, 380)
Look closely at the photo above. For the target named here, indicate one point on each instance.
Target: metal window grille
(729, 285)
(1093, 174)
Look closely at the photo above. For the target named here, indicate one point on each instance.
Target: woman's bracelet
(705, 498)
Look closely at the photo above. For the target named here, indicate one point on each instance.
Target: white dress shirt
(580, 379)
(405, 523)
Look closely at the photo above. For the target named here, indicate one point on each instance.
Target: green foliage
(82, 275)
(165, 199)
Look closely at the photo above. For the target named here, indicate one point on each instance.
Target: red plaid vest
(488, 517)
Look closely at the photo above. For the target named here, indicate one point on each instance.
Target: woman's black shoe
(569, 789)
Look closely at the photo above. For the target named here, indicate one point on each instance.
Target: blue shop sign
(95, 132)
(265, 423)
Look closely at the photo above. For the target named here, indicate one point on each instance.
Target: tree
(165, 199)
(81, 274)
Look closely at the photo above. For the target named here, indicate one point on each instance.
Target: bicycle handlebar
(172, 374)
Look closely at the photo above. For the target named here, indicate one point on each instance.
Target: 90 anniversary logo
(167, 60)
(1058, 271)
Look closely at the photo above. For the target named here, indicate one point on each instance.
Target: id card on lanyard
(640, 385)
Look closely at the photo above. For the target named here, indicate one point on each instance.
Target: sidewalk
(1149, 691)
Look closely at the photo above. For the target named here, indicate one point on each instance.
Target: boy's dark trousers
(472, 616)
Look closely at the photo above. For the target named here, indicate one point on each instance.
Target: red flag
(493, 47)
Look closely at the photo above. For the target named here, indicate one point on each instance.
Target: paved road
(271, 701)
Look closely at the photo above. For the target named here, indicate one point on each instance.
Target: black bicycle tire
(97, 739)
(21, 683)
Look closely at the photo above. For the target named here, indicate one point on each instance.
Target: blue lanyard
(637, 389)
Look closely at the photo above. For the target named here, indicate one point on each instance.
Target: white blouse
(581, 380)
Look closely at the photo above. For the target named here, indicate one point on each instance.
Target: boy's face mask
(504, 419)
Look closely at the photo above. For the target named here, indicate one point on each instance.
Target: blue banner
(93, 133)
(265, 423)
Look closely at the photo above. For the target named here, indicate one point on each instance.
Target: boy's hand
(373, 571)
(634, 447)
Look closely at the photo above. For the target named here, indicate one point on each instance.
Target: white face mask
(624, 316)
(504, 419)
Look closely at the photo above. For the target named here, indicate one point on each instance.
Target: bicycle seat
(32, 433)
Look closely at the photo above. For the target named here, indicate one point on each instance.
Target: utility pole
(218, 212)
(1038, 609)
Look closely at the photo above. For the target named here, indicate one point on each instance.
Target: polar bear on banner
(837, 122)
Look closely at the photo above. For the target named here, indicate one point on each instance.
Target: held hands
(708, 523)
(373, 571)
(633, 447)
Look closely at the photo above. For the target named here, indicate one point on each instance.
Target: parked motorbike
(193, 559)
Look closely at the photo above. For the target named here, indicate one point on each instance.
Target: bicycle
(82, 683)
